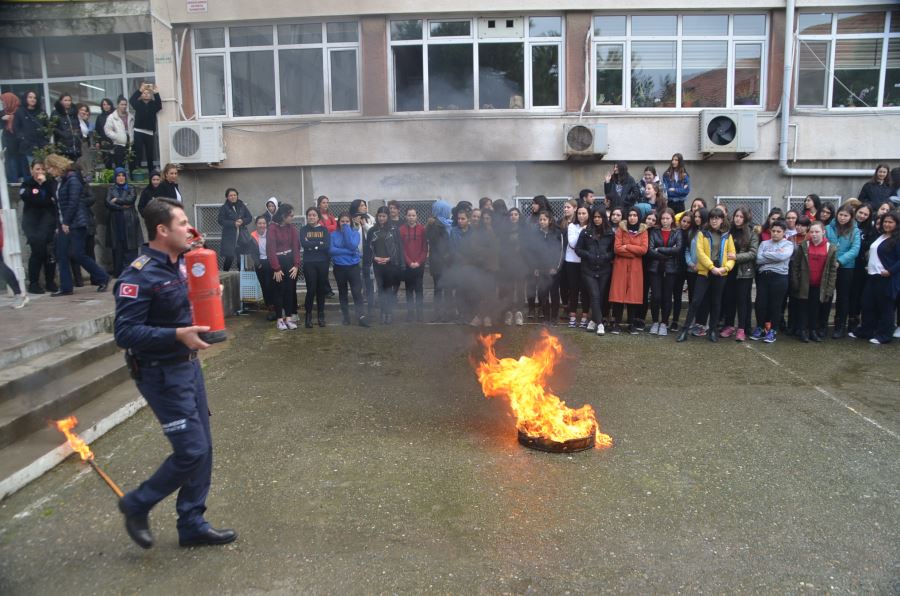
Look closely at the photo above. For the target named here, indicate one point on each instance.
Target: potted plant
(688, 98)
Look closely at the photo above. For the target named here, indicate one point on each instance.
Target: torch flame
(538, 412)
(77, 444)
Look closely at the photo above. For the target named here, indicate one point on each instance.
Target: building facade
(458, 100)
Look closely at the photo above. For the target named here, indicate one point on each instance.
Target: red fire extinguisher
(204, 290)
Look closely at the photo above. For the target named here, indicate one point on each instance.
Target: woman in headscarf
(124, 236)
(437, 234)
(150, 192)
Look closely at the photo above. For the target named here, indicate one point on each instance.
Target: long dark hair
(680, 171)
(603, 229)
(743, 233)
(543, 205)
(704, 220)
(845, 230)
(894, 238)
(621, 175)
(830, 208)
(387, 211)
(887, 179)
(817, 203)
(283, 210)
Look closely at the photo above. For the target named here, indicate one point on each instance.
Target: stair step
(28, 376)
(26, 413)
(38, 452)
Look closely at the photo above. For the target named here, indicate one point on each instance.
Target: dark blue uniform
(151, 302)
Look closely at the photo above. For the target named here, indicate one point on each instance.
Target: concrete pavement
(368, 461)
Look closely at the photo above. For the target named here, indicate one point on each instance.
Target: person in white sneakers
(10, 278)
(595, 246)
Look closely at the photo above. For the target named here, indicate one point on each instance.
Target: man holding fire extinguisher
(154, 324)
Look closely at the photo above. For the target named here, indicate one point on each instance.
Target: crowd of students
(608, 262)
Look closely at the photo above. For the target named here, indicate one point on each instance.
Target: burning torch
(78, 445)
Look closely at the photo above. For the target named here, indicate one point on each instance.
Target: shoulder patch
(139, 262)
(128, 290)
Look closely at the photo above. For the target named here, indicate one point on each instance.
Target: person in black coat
(596, 247)
(666, 246)
(124, 235)
(620, 187)
(169, 185)
(233, 217)
(67, 131)
(146, 103)
(39, 218)
(30, 124)
(877, 190)
(103, 143)
(150, 192)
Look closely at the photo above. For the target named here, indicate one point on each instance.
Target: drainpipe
(786, 110)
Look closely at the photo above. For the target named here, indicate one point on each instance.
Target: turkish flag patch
(128, 290)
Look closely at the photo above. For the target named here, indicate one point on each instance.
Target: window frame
(832, 39)
(324, 46)
(42, 84)
(528, 42)
(679, 38)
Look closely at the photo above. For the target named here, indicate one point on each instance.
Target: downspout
(786, 110)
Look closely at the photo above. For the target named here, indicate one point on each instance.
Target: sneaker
(591, 326)
(292, 325)
(673, 326)
(699, 331)
(875, 341)
(663, 330)
(476, 322)
(573, 322)
(741, 335)
(281, 325)
(757, 334)
(508, 319)
(851, 335)
(616, 330)
(727, 332)
(584, 323)
(633, 329)
(520, 319)
(600, 329)
(897, 333)
(486, 322)
(654, 329)
(21, 301)
(770, 337)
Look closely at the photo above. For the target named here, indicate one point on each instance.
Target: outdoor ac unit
(728, 131)
(585, 140)
(196, 142)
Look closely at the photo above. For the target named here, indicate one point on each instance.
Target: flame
(538, 412)
(77, 444)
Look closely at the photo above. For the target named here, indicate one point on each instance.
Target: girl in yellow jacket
(715, 259)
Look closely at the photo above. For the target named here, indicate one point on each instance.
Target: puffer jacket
(847, 245)
(29, 126)
(745, 261)
(597, 254)
(665, 254)
(73, 210)
(706, 261)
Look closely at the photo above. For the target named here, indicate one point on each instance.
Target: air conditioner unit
(196, 142)
(728, 131)
(585, 140)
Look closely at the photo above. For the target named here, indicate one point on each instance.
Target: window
(486, 63)
(90, 68)
(678, 61)
(848, 60)
(291, 69)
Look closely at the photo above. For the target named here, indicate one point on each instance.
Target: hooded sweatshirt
(268, 215)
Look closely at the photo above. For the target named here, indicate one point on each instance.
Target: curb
(51, 459)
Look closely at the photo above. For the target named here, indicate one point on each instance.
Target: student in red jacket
(415, 253)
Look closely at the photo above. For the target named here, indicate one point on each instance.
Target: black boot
(683, 336)
(838, 332)
(816, 336)
(35, 289)
(804, 336)
(363, 322)
(321, 319)
(345, 316)
(713, 335)
(309, 320)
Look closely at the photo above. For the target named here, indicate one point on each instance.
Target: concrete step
(29, 375)
(38, 452)
(43, 328)
(28, 412)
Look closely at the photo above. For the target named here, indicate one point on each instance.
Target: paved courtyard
(368, 461)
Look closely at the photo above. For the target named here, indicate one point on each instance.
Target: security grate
(758, 206)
